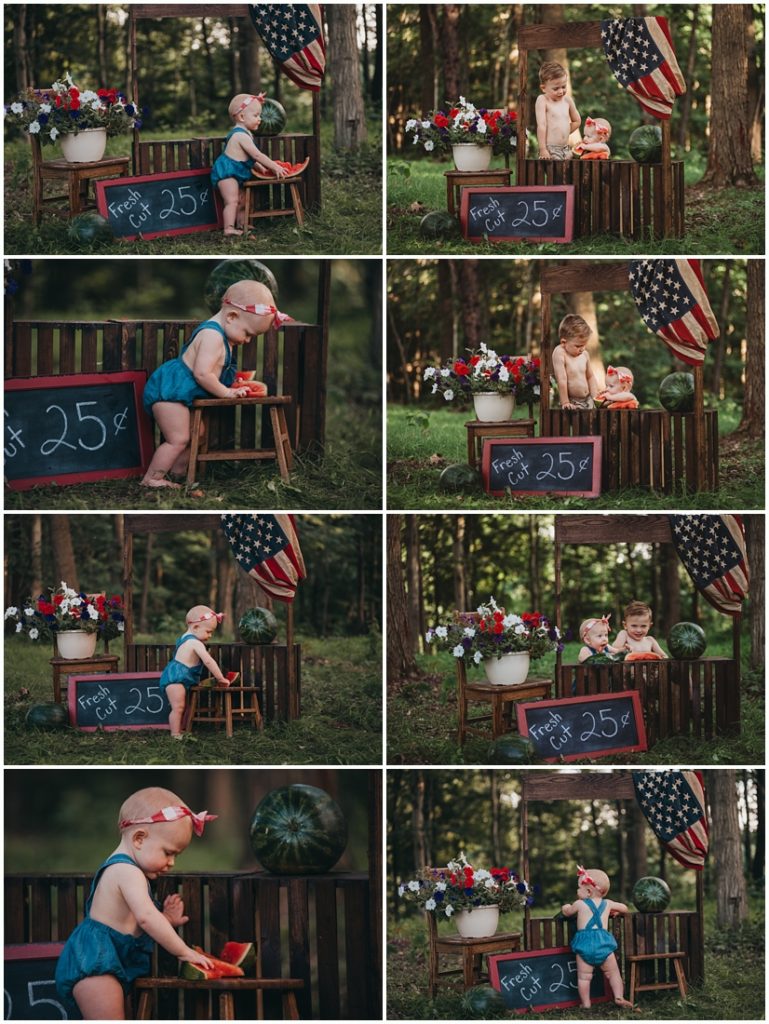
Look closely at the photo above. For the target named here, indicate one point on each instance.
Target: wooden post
(293, 697)
(314, 168)
(375, 887)
(698, 954)
(667, 182)
(700, 468)
(520, 152)
(525, 862)
(134, 75)
(324, 301)
(558, 557)
(128, 563)
(544, 361)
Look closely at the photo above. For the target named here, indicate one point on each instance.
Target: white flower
(16, 108)
(120, 627)
(481, 129)
(489, 883)
(10, 611)
(448, 395)
(468, 631)
(536, 389)
(504, 374)
(415, 140)
(445, 373)
(34, 128)
(75, 602)
(440, 886)
(45, 108)
(482, 873)
(459, 651)
(429, 145)
(92, 612)
(18, 627)
(427, 124)
(462, 101)
(64, 607)
(449, 910)
(54, 132)
(88, 95)
(442, 632)
(430, 904)
(477, 657)
(34, 634)
(429, 372)
(435, 388)
(520, 628)
(411, 124)
(96, 104)
(401, 889)
(413, 886)
(68, 591)
(429, 636)
(485, 348)
(29, 612)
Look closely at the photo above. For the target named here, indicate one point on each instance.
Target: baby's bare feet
(160, 481)
(229, 232)
(623, 1002)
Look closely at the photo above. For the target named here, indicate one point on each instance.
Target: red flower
(474, 360)
(536, 362)
(440, 120)
(45, 607)
(454, 111)
(498, 616)
(57, 599)
(461, 369)
(499, 628)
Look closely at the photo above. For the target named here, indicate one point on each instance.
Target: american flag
(267, 548)
(293, 33)
(671, 297)
(673, 803)
(641, 55)
(713, 551)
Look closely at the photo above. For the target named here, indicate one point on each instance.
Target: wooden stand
(477, 430)
(199, 443)
(501, 698)
(65, 667)
(217, 705)
(276, 202)
(457, 180)
(225, 988)
(639, 959)
(471, 952)
(77, 176)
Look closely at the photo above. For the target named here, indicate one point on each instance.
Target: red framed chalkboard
(517, 213)
(542, 465)
(542, 979)
(576, 728)
(29, 985)
(117, 700)
(151, 205)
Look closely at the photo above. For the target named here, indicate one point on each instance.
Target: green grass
(721, 997)
(349, 221)
(421, 444)
(723, 221)
(341, 720)
(422, 718)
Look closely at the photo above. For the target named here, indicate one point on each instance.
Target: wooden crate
(264, 666)
(644, 447)
(700, 699)
(315, 927)
(616, 197)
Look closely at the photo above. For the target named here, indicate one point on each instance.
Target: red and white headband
(205, 617)
(262, 309)
(260, 98)
(173, 814)
(588, 624)
(583, 878)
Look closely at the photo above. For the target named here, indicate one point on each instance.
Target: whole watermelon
(483, 1001)
(645, 144)
(273, 118)
(651, 895)
(258, 626)
(47, 716)
(687, 641)
(229, 271)
(459, 477)
(88, 229)
(439, 224)
(677, 392)
(512, 749)
(604, 659)
(298, 830)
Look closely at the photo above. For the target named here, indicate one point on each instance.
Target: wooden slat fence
(312, 927)
(699, 698)
(294, 365)
(264, 666)
(643, 447)
(668, 932)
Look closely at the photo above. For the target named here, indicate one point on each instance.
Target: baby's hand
(238, 393)
(173, 909)
(193, 957)
(278, 171)
(544, 154)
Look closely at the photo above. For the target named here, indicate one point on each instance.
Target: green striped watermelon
(229, 272)
(273, 118)
(483, 1001)
(298, 830)
(687, 641)
(47, 716)
(240, 954)
(511, 748)
(676, 392)
(651, 895)
(258, 626)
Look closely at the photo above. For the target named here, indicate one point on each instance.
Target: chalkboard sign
(30, 989)
(518, 213)
(172, 203)
(75, 428)
(539, 465)
(542, 979)
(118, 700)
(576, 727)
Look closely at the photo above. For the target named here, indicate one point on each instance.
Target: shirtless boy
(634, 635)
(557, 117)
(577, 385)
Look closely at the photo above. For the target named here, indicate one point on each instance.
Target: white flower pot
(509, 670)
(85, 147)
(491, 407)
(470, 157)
(477, 924)
(75, 643)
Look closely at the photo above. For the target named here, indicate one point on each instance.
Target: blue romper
(593, 943)
(226, 167)
(176, 672)
(94, 949)
(174, 381)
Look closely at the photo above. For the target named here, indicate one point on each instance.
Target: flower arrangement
(484, 371)
(463, 122)
(68, 609)
(462, 887)
(491, 632)
(64, 109)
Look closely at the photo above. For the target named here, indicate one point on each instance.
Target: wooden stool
(457, 180)
(294, 210)
(477, 430)
(64, 667)
(76, 176)
(222, 707)
(199, 453)
(227, 989)
(501, 698)
(640, 958)
(471, 952)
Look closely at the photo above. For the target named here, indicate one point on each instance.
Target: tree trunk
(36, 554)
(209, 58)
(445, 299)
(118, 527)
(730, 161)
(234, 55)
(400, 647)
(583, 303)
(752, 423)
(418, 832)
(225, 580)
(452, 66)
(719, 344)
(413, 579)
(534, 569)
(686, 100)
(671, 587)
(757, 867)
(638, 865)
(553, 14)
(101, 45)
(754, 538)
(460, 576)
(143, 623)
(472, 304)
(426, 60)
(755, 87)
(252, 73)
(20, 52)
(376, 78)
(731, 896)
(395, 335)
(373, 290)
(350, 129)
(64, 565)
(496, 844)
(247, 595)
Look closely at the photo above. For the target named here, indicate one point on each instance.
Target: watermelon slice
(224, 969)
(246, 379)
(209, 683)
(241, 954)
(291, 169)
(194, 972)
(643, 656)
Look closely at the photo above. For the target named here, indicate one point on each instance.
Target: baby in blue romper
(205, 368)
(190, 658)
(112, 946)
(593, 945)
(240, 153)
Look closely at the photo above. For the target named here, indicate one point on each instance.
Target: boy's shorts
(559, 152)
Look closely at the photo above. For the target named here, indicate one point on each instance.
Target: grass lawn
(422, 718)
(341, 720)
(720, 997)
(717, 221)
(421, 444)
(349, 221)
